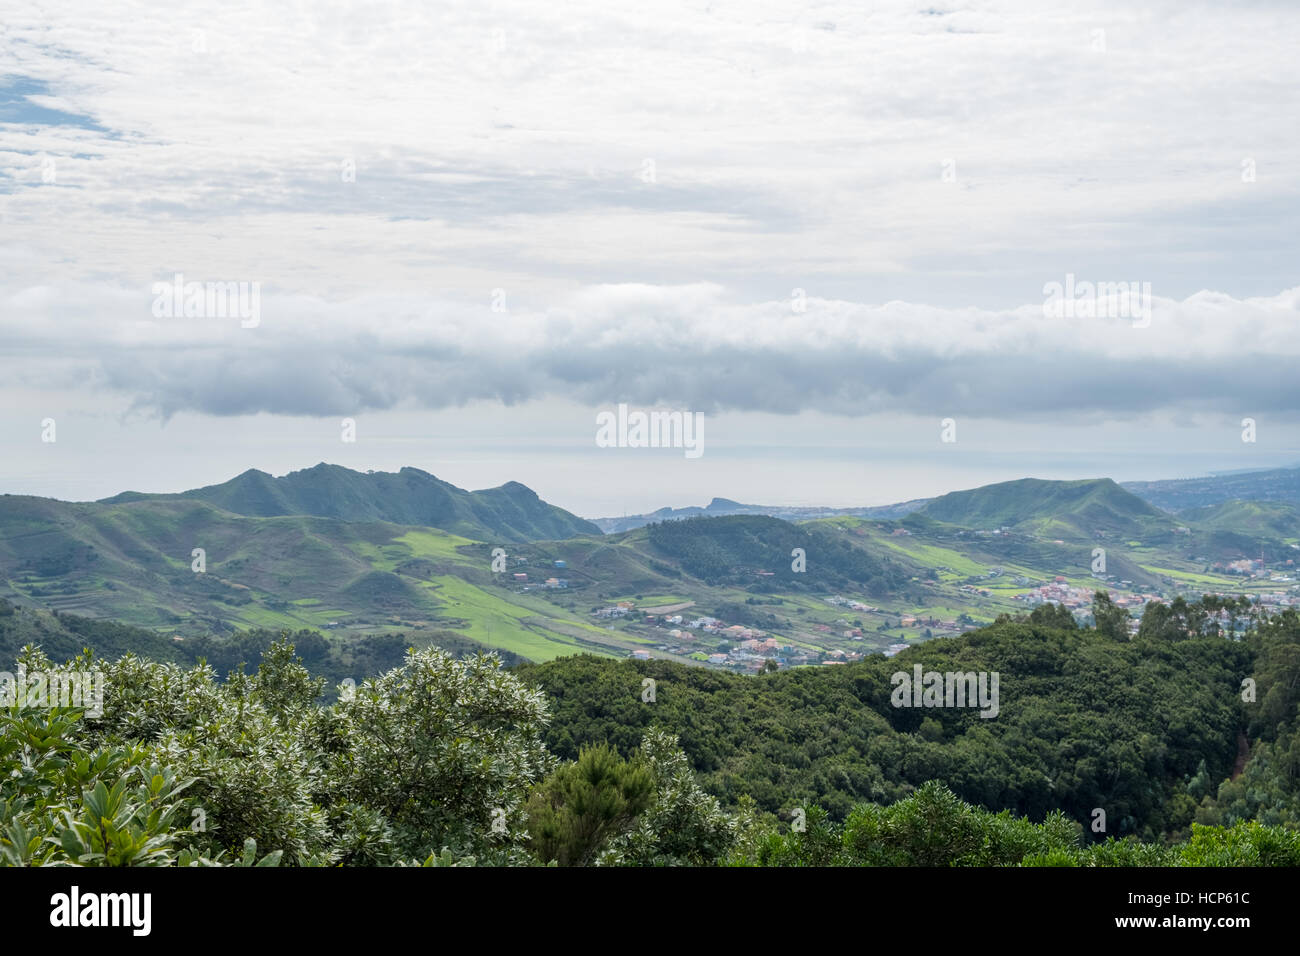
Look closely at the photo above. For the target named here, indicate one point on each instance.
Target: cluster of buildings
(1253, 568)
(909, 620)
(521, 577)
(1249, 567)
(851, 604)
(1277, 601)
(1062, 592)
(712, 641)
(621, 609)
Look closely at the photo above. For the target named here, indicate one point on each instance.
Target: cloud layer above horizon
(685, 347)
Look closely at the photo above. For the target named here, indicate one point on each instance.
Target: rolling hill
(724, 507)
(1273, 484)
(1060, 509)
(512, 512)
(269, 561)
(1262, 519)
(333, 549)
(758, 550)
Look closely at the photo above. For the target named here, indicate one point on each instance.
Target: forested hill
(512, 512)
(745, 549)
(1084, 722)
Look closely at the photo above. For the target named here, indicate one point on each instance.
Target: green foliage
(66, 635)
(1277, 646)
(1266, 790)
(583, 804)
(445, 858)
(443, 762)
(62, 805)
(1127, 852)
(1111, 619)
(643, 811)
(1052, 614)
(1085, 722)
(934, 828)
(683, 826)
(334, 659)
(181, 769)
(1246, 844)
(1176, 621)
(443, 749)
(930, 828)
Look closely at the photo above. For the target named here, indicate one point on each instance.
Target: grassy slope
(131, 561)
(511, 512)
(292, 571)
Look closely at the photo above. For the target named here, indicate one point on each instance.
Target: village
(953, 604)
(715, 643)
(736, 647)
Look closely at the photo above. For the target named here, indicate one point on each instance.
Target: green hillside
(1062, 509)
(133, 561)
(742, 549)
(824, 590)
(334, 656)
(1267, 519)
(512, 512)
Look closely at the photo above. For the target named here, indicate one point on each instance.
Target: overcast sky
(826, 227)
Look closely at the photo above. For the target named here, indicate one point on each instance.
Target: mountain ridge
(1084, 507)
(410, 496)
(1171, 495)
(332, 548)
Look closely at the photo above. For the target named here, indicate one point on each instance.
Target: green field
(130, 560)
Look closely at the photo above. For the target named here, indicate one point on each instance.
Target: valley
(319, 550)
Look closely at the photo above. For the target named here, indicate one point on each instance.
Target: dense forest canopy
(443, 760)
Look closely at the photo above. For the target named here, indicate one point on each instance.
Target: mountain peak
(723, 504)
(515, 488)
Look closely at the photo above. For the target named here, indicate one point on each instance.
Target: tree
(1158, 623)
(62, 805)
(1112, 620)
(1052, 614)
(242, 742)
(446, 750)
(684, 826)
(583, 804)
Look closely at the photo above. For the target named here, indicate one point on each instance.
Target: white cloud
(503, 146)
(688, 346)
